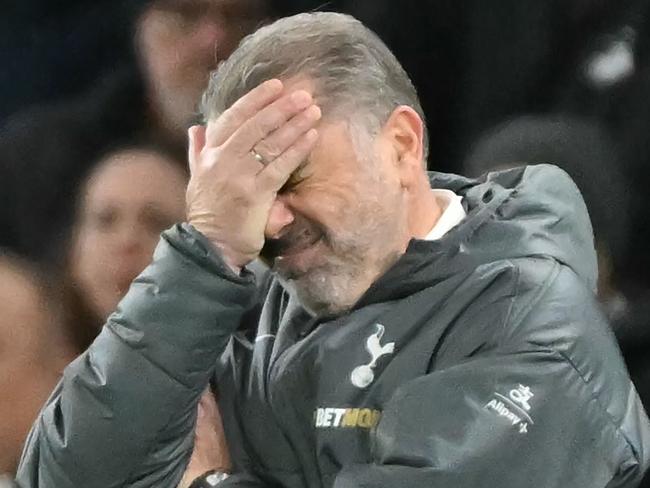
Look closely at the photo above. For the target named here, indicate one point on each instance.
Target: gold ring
(259, 157)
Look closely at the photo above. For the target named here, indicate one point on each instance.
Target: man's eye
(294, 180)
(297, 177)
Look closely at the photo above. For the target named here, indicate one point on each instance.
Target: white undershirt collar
(452, 213)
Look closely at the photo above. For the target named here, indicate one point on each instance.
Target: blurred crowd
(97, 97)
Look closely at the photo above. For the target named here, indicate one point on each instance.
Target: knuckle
(236, 108)
(268, 122)
(255, 130)
(225, 120)
(228, 127)
(231, 119)
(210, 156)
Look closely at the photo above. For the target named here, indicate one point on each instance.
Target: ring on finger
(258, 157)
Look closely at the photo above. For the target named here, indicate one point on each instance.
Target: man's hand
(230, 192)
(210, 448)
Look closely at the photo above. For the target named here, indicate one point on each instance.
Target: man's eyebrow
(295, 177)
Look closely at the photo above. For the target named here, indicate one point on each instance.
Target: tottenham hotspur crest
(362, 376)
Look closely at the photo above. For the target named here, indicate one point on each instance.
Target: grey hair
(357, 78)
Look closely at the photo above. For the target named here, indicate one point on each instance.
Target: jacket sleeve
(124, 412)
(522, 419)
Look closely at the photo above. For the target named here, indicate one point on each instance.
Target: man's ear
(405, 132)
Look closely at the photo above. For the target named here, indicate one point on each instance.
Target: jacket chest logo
(362, 376)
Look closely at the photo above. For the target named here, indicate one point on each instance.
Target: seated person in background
(130, 195)
(34, 350)
(583, 149)
(178, 44)
(416, 330)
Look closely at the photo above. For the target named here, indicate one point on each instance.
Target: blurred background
(97, 95)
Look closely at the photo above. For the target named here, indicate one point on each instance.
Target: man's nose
(279, 217)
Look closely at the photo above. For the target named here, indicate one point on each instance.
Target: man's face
(180, 42)
(349, 222)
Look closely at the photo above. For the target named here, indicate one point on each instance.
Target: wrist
(229, 261)
(223, 251)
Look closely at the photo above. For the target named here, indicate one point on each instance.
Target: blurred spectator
(52, 52)
(44, 150)
(179, 42)
(586, 152)
(43, 154)
(131, 195)
(125, 200)
(51, 160)
(34, 348)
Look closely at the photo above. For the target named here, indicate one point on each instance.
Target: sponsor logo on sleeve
(514, 407)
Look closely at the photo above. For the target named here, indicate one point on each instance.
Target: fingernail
(274, 85)
(315, 112)
(312, 134)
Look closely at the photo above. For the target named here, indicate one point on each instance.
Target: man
(407, 337)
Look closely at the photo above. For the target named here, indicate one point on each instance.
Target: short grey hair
(356, 76)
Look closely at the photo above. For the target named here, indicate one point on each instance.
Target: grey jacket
(480, 359)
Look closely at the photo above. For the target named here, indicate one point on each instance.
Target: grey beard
(326, 290)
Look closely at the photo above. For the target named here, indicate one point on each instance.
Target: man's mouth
(298, 260)
(293, 258)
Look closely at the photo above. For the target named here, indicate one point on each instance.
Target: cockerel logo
(362, 376)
